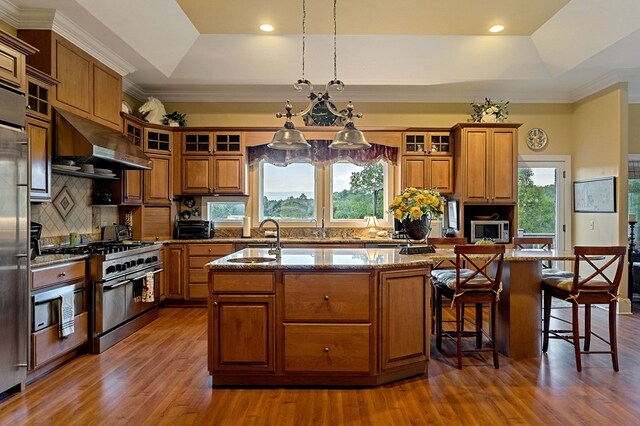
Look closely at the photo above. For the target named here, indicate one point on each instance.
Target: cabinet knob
(215, 303)
(326, 298)
(28, 106)
(62, 274)
(209, 250)
(326, 349)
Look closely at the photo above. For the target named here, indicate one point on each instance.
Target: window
(227, 209)
(301, 192)
(287, 193)
(357, 191)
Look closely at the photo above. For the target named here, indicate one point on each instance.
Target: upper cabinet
(197, 143)
(158, 141)
(86, 86)
(427, 160)
(13, 54)
(487, 162)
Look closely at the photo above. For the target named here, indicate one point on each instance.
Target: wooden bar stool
(482, 285)
(444, 242)
(595, 288)
(543, 243)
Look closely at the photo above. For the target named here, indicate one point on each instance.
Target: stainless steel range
(124, 292)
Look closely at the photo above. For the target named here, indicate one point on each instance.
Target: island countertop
(356, 258)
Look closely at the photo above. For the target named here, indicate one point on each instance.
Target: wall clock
(321, 115)
(536, 139)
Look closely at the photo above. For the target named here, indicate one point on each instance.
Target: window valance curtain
(319, 153)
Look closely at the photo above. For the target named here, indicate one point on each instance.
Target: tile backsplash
(83, 218)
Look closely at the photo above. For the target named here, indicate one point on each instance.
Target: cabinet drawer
(330, 348)
(326, 297)
(211, 249)
(199, 261)
(51, 275)
(243, 282)
(198, 276)
(46, 344)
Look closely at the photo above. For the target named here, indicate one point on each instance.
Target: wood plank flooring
(159, 376)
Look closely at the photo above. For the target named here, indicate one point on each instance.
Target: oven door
(110, 303)
(46, 305)
(136, 302)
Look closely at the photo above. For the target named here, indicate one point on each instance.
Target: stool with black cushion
(441, 242)
(479, 284)
(597, 285)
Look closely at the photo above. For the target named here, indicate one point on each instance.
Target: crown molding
(85, 41)
(9, 13)
(607, 80)
(50, 19)
(132, 89)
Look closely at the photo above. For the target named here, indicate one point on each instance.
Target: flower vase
(418, 229)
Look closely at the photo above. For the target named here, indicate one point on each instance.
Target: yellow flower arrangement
(414, 203)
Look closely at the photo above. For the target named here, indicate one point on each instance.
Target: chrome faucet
(273, 250)
(324, 229)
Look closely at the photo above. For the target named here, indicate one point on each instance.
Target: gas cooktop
(96, 247)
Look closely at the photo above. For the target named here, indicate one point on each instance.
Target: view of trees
(536, 205)
(363, 198)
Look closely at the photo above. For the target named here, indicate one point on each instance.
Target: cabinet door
(503, 166)
(107, 94)
(161, 276)
(132, 179)
(38, 98)
(242, 332)
(415, 143)
(12, 65)
(440, 174)
(197, 175)
(414, 172)
(475, 152)
(440, 143)
(197, 143)
(152, 223)
(158, 141)
(157, 181)
(228, 175)
(404, 299)
(228, 144)
(73, 71)
(174, 271)
(39, 134)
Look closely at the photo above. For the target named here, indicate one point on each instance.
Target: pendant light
(289, 138)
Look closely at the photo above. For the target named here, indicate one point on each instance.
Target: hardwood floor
(159, 376)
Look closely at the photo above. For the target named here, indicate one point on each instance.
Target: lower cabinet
(47, 345)
(199, 255)
(318, 327)
(173, 271)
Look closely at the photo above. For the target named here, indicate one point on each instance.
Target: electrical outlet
(592, 225)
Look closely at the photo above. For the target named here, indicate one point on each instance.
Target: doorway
(543, 198)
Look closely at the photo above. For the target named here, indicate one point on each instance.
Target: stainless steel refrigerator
(14, 240)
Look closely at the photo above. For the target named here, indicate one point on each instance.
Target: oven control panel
(132, 262)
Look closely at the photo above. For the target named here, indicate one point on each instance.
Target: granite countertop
(52, 259)
(297, 240)
(352, 258)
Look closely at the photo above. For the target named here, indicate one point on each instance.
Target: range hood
(85, 141)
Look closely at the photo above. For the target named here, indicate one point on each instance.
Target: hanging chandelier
(289, 138)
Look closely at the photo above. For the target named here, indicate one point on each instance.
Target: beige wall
(8, 28)
(634, 129)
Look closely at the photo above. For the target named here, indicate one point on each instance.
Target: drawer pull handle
(215, 303)
(62, 274)
(326, 349)
(326, 298)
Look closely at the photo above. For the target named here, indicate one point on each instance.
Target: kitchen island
(358, 317)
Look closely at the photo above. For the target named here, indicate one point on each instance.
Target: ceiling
(401, 51)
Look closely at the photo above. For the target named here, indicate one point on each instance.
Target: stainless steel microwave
(495, 230)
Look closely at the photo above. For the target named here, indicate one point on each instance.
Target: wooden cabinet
(197, 143)
(47, 276)
(427, 161)
(38, 128)
(158, 141)
(157, 181)
(327, 322)
(197, 278)
(128, 191)
(152, 223)
(488, 163)
(197, 175)
(39, 133)
(242, 333)
(404, 299)
(228, 143)
(161, 279)
(428, 172)
(229, 174)
(86, 87)
(173, 271)
(13, 52)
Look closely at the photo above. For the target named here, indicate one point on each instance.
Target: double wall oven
(124, 292)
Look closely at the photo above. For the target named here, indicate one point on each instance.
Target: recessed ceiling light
(496, 28)
(266, 28)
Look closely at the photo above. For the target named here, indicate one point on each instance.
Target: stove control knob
(111, 269)
(118, 268)
(140, 261)
(148, 260)
(124, 266)
(154, 258)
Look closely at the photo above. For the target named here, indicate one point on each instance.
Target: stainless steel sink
(252, 260)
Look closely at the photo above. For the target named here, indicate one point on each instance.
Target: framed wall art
(595, 195)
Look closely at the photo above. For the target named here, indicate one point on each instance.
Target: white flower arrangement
(489, 111)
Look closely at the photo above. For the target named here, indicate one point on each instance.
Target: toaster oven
(194, 229)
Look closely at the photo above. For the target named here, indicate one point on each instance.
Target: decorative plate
(536, 139)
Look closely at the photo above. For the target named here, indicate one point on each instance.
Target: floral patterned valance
(320, 153)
